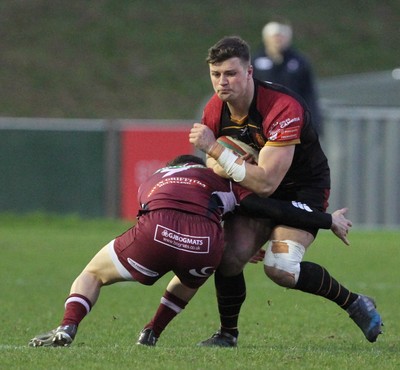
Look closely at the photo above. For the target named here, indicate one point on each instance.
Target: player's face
(230, 79)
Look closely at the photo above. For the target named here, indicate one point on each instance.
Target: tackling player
(178, 229)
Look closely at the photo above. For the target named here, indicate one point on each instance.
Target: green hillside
(145, 58)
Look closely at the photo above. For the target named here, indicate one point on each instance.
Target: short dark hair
(229, 47)
(185, 158)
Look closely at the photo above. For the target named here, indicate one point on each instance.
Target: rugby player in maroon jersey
(178, 229)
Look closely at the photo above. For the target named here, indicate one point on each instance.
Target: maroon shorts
(167, 240)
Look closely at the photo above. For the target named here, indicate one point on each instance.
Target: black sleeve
(285, 213)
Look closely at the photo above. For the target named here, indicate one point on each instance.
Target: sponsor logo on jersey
(204, 272)
(184, 242)
(144, 270)
(176, 180)
(287, 122)
(303, 206)
(280, 131)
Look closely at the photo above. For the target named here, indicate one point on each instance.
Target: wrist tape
(227, 160)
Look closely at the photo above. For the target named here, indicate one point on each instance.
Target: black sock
(316, 280)
(231, 293)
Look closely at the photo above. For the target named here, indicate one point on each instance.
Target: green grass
(279, 328)
(145, 59)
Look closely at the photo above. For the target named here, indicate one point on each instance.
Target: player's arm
(262, 179)
(273, 164)
(285, 212)
(297, 215)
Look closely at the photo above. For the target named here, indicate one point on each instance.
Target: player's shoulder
(269, 93)
(213, 103)
(212, 112)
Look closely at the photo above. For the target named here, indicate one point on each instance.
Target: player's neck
(240, 107)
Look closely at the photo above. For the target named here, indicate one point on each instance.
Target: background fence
(88, 167)
(93, 167)
(362, 145)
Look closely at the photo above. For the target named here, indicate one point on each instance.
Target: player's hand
(202, 137)
(341, 225)
(258, 257)
(212, 163)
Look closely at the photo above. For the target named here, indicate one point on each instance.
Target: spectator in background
(277, 61)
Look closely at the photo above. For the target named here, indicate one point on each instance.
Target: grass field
(280, 329)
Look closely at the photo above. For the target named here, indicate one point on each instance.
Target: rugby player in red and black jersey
(178, 229)
(291, 166)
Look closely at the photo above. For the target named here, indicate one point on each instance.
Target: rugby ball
(238, 147)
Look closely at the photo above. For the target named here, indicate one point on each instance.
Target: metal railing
(362, 146)
(361, 143)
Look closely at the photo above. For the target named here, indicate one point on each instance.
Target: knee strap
(285, 255)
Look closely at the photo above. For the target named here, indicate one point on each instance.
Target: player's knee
(231, 266)
(92, 276)
(98, 274)
(282, 262)
(235, 258)
(280, 277)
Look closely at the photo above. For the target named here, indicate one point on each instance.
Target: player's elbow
(264, 194)
(261, 186)
(265, 189)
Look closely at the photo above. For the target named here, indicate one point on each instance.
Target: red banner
(143, 151)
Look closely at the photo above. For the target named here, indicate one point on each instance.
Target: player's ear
(250, 70)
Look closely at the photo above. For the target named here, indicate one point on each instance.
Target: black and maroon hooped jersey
(277, 117)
